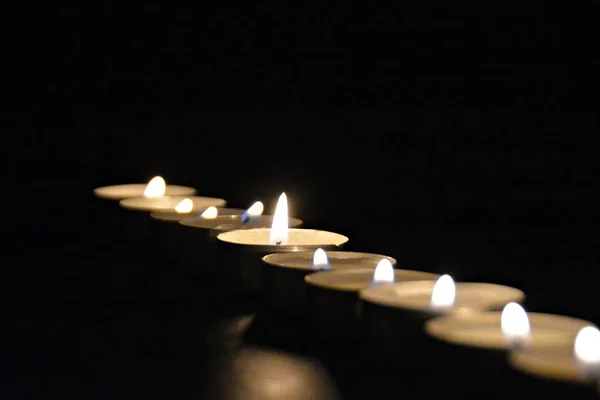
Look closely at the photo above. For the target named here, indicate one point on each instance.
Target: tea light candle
(139, 222)
(393, 315)
(155, 188)
(106, 214)
(332, 296)
(241, 251)
(166, 232)
(284, 286)
(495, 331)
(168, 203)
(199, 237)
(569, 371)
(481, 340)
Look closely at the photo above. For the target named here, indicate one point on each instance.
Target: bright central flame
(156, 187)
(515, 324)
(444, 294)
(384, 272)
(279, 229)
(587, 345)
(210, 213)
(184, 206)
(255, 209)
(320, 260)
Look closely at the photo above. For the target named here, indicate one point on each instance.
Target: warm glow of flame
(210, 213)
(256, 209)
(279, 229)
(320, 260)
(184, 206)
(444, 293)
(587, 345)
(384, 272)
(156, 187)
(515, 324)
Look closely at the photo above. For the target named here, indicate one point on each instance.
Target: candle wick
(519, 344)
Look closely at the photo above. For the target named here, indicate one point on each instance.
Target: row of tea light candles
(294, 273)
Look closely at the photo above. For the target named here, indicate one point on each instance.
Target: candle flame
(255, 209)
(515, 324)
(185, 206)
(587, 345)
(384, 272)
(156, 187)
(320, 260)
(444, 293)
(279, 228)
(210, 213)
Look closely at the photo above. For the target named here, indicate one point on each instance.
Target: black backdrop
(457, 138)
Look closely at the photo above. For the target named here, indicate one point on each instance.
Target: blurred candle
(333, 296)
(140, 222)
(167, 232)
(156, 187)
(108, 216)
(482, 340)
(570, 370)
(393, 315)
(284, 286)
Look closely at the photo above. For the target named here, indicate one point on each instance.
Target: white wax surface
(297, 237)
(337, 260)
(176, 217)
(483, 329)
(228, 223)
(417, 295)
(553, 363)
(354, 280)
(168, 203)
(120, 192)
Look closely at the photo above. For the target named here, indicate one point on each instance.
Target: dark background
(457, 138)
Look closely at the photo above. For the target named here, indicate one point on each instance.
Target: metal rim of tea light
(274, 248)
(278, 259)
(149, 204)
(173, 216)
(465, 329)
(400, 294)
(170, 190)
(318, 279)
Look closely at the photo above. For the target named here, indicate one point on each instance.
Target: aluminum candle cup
(471, 350)
(241, 251)
(138, 224)
(569, 372)
(333, 301)
(106, 213)
(552, 373)
(199, 237)
(393, 315)
(284, 285)
(166, 232)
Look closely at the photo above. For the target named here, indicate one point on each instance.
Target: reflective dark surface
(110, 319)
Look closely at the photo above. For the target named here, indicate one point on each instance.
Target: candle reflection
(258, 373)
